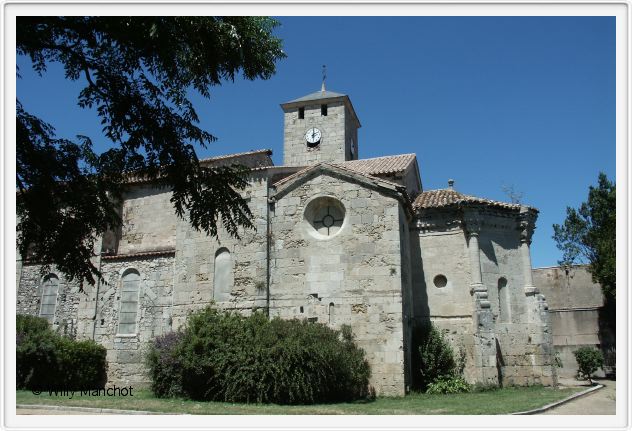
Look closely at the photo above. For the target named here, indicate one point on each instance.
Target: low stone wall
(574, 302)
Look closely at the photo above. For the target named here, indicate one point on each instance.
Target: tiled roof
(380, 165)
(151, 253)
(447, 197)
(340, 166)
(291, 177)
(253, 159)
(236, 155)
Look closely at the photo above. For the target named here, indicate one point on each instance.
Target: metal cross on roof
(322, 88)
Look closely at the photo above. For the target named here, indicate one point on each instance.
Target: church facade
(337, 240)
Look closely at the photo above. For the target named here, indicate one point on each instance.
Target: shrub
(449, 385)
(589, 360)
(45, 360)
(165, 366)
(436, 357)
(81, 364)
(224, 356)
(36, 358)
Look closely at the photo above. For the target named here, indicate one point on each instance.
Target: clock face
(313, 135)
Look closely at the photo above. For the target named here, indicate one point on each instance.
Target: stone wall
(29, 298)
(574, 305)
(351, 277)
(125, 352)
(442, 251)
(523, 355)
(149, 220)
(195, 261)
(508, 347)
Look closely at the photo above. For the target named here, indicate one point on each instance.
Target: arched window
(503, 300)
(331, 312)
(50, 287)
(130, 285)
(223, 275)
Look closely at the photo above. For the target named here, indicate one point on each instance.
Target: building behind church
(337, 240)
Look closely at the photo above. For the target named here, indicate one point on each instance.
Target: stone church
(338, 240)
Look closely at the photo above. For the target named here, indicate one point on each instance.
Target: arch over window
(222, 275)
(503, 300)
(50, 289)
(130, 286)
(331, 312)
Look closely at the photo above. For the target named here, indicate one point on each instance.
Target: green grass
(501, 401)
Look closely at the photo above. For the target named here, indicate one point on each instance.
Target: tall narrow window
(503, 300)
(130, 285)
(331, 312)
(223, 275)
(301, 113)
(323, 110)
(50, 287)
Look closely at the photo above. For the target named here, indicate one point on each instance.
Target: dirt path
(601, 402)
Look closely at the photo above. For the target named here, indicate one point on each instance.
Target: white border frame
(620, 9)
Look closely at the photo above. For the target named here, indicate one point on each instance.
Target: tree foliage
(436, 356)
(589, 234)
(138, 72)
(589, 360)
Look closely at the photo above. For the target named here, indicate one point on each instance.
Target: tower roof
(318, 95)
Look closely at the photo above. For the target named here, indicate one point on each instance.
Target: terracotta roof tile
(447, 197)
(291, 177)
(380, 165)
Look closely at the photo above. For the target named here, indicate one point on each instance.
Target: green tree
(588, 360)
(589, 235)
(138, 72)
(436, 357)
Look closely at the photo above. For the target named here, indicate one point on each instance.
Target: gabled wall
(357, 270)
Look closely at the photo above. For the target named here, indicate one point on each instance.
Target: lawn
(501, 401)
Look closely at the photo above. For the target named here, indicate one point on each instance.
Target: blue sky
(488, 101)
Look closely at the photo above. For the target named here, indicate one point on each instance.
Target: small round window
(325, 216)
(440, 281)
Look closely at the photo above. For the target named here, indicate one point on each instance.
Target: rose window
(325, 215)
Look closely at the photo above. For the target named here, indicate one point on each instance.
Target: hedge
(224, 356)
(46, 360)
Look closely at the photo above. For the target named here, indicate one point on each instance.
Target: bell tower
(319, 127)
